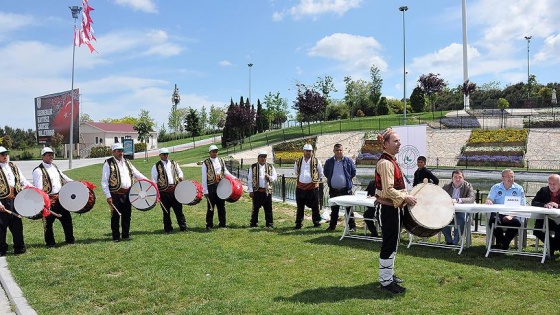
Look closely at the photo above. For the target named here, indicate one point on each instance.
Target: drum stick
(163, 207)
(56, 214)
(211, 205)
(13, 213)
(423, 185)
(115, 208)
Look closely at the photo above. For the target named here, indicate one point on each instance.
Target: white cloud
(147, 6)
(549, 52)
(225, 63)
(10, 22)
(357, 53)
(315, 8)
(137, 43)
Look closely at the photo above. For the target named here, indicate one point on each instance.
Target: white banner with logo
(413, 144)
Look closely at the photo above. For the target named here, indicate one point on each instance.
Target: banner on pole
(52, 116)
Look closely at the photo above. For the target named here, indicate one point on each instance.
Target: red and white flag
(85, 35)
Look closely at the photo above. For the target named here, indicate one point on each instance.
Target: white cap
(46, 150)
(308, 147)
(262, 152)
(2, 150)
(163, 151)
(117, 146)
(213, 148)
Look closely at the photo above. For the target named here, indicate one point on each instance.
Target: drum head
(29, 203)
(143, 195)
(73, 196)
(434, 207)
(225, 188)
(185, 192)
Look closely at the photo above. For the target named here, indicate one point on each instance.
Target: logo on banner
(408, 155)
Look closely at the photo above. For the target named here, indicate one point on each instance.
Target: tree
(192, 122)
(261, 119)
(276, 109)
(176, 116)
(468, 88)
(124, 120)
(84, 117)
(217, 118)
(56, 142)
(417, 100)
(376, 86)
(144, 126)
(311, 105)
(203, 119)
(337, 109)
(358, 96)
(502, 104)
(383, 106)
(431, 85)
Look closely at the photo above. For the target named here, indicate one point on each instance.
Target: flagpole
(75, 11)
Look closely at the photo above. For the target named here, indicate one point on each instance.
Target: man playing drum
(309, 172)
(50, 179)
(213, 170)
(116, 179)
(261, 174)
(12, 182)
(391, 195)
(167, 174)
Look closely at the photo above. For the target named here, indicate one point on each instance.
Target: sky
(145, 47)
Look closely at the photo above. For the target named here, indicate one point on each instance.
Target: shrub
(139, 147)
(100, 151)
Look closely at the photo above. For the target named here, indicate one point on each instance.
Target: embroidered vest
(115, 174)
(312, 166)
(4, 186)
(399, 179)
(162, 180)
(47, 183)
(255, 170)
(211, 172)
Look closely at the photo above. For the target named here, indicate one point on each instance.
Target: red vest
(399, 179)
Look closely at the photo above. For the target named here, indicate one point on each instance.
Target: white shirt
(125, 177)
(262, 181)
(217, 169)
(168, 170)
(54, 176)
(305, 173)
(11, 177)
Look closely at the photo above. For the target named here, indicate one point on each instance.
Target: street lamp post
(528, 38)
(75, 12)
(250, 66)
(404, 9)
(175, 100)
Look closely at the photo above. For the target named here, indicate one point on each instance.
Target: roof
(109, 127)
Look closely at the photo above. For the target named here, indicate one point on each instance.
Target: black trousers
(122, 203)
(65, 220)
(553, 227)
(370, 213)
(261, 199)
(504, 238)
(309, 198)
(170, 202)
(218, 203)
(389, 219)
(334, 209)
(8, 221)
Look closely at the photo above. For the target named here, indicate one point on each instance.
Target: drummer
(167, 174)
(309, 172)
(391, 196)
(261, 174)
(50, 179)
(213, 170)
(117, 178)
(12, 182)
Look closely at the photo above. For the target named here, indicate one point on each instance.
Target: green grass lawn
(242, 270)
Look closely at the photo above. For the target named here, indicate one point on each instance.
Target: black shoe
(117, 240)
(269, 227)
(397, 279)
(297, 227)
(208, 228)
(352, 230)
(2, 254)
(316, 225)
(126, 239)
(497, 246)
(449, 243)
(393, 287)
(374, 234)
(50, 245)
(253, 225)
(222, 226)
(330, 228)
(70, 242)
(20, 251)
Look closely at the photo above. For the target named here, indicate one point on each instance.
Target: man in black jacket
(422, 172)
(549, 197)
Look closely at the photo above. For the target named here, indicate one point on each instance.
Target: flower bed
(498, 136)
(287, 157)
(460, 122)
(491, 160)
(494, 150)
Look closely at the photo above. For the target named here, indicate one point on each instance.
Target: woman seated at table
(460, 191)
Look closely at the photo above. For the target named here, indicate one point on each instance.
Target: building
(95, 134)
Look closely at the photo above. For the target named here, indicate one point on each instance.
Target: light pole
(466, 97)
(75, 12)
(528, 38)
(404, 9)
(175, 99)
(250, 66)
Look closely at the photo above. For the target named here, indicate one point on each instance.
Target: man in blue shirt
(339, 171)
(497, 195)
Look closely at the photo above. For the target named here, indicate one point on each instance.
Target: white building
(95, 134)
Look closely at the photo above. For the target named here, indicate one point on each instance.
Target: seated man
(462, 192)
(370, 212)
(549, 197)
(497, 195)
